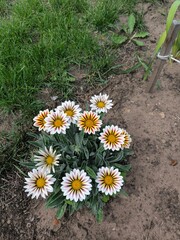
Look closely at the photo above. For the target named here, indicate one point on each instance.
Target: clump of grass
(39, 42)
(106, 12)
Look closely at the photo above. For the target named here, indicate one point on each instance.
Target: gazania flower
(90, 122)
(76, 185)
(112, 138)
(100, 103)
(39, 183)
(109, 180)
(56, 122)
(40, 119)
(47, 159)
(127, 139)
(70, 109)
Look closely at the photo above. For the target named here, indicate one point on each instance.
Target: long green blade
(171, 14)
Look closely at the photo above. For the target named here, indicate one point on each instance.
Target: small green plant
(170, 18)
(127, 33)
(79, 160)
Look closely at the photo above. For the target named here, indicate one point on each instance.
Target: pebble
(162, 114)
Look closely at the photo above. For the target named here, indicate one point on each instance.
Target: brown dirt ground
(152, 210)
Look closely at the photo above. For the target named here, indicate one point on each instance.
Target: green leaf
(131, 23)
(118, 158)
(69, 202)
(30, 165)
(138, 43)
(105, 198)
(124, 168)
(86, 152)
(141, 35)
(118, 39)
(99, 215)
(160, 42)
(171, 14)
(91, 172)
(54, 200)
(123, 192)
(61, 211)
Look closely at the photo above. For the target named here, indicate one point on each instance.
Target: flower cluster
(78, 159)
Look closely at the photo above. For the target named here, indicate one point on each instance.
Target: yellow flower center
(108, 180)
(40, 182)
(76, 184)
(69, 112)
(49, 160)
(58, 123)
(100, 104)
(89, 123)
(111, 138)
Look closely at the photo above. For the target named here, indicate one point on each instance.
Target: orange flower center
(111, 138)
(76, 184)
(108, 180)
(40, 182)
(100, 104)
(89, 123)
(69, 112)
(49, 160)
(58, 123)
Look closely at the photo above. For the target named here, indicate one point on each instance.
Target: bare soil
(152, 209)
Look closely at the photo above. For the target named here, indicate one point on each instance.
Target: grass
(39, 42)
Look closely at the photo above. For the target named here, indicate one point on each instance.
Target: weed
(129, 34)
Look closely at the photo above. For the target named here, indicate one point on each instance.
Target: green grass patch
(39, 42)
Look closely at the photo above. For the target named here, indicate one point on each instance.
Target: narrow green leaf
(61, 211)
(30, 165)
(86, 152)
(141, 35)
(90, 172)
(118, 158)
(123, 192)
(99, 215)
(69, 202)
(118, 39)
(160, 42)
(171, 14)
(124, 168)
(131, 23)
(138, 43)
(20, 170)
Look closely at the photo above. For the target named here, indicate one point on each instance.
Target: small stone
(162, 114)
(8, 221)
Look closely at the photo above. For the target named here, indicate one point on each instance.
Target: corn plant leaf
(160, 42)
(131, 23)
(171, 14)
(138, 43)
(141, 35)
(118, 39)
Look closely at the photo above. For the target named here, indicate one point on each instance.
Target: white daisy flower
(39, 183)
(56, 122)
(76, 185)
(90, 122)
(100, 103)
(112, 138)
(109, 180)
(40, 119)
(47, 159)
(70, 109)
(127, 139)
